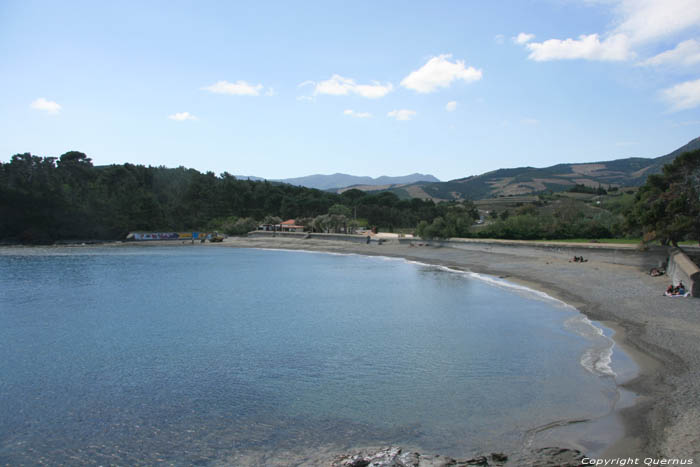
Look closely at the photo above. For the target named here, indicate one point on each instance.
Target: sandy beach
(662, 335)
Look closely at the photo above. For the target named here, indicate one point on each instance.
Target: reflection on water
(198, 355)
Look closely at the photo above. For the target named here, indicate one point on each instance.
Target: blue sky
(285, 89)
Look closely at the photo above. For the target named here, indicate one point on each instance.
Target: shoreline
(662, 336)
(650, 428)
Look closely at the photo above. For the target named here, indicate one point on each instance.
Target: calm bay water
(193, 354)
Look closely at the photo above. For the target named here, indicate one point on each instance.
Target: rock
(481, 460)
(387, 457)
(554, 457)
(394, 457)
(436, 461)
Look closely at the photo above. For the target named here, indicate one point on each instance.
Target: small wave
(507, 285)
(598, 361)
(598, 358)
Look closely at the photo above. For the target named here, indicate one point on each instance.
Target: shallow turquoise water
(189, 354)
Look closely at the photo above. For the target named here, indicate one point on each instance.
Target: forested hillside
(43, 199)
(632, 171)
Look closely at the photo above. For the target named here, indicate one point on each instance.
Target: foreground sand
(662, 334)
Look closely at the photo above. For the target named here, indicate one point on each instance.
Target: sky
(287, 89)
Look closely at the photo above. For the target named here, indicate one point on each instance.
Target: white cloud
(638, 22)
(352, 113)
(239, 88)
(648, 20)
(439, 72)
(305, 98)
(683, 96)
(340, 86)
(530, 121)
(523, 38)
(499, 39)
(45, 105)
(686, 53)
(451, 106)
(403, 114)
(270, 92)
(182, 116)
(588, 47)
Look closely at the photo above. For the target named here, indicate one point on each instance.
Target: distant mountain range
(338, 180)
(632, 171)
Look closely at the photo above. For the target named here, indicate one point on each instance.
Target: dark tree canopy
(667, 207)
(43, 199)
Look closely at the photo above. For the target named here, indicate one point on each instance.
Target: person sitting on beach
(681, 289)
(670, 289)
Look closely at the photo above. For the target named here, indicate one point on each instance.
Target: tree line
(665, 209)
(44, 199)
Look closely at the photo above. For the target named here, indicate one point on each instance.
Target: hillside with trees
(667, 207)
(628, 172)
(45, 199)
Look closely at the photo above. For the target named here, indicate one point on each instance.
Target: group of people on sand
(677, 290)
(578, 259)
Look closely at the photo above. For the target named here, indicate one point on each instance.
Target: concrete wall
(628, 255)
(315, 236)
(681, 268)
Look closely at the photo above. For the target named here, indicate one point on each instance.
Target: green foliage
(43, 199)
(621, 204)
(455, 221)
(233, 225)
(667, 207)
(578, 188)
(340, 210)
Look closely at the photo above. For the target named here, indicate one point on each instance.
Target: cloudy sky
(285, 89)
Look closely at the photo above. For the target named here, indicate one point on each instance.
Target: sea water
(192, 354)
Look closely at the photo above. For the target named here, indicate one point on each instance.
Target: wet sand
(662, 335)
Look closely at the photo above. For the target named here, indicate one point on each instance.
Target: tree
(456, 222)
(667, 207)
(272, 220)
(322, 223)
(339, 210)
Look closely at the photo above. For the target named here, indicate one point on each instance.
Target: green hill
(632, 171)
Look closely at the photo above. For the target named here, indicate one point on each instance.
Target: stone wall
(682, 268)
(315, 236)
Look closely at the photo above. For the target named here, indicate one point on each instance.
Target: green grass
(630, 241)
(627, 241)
